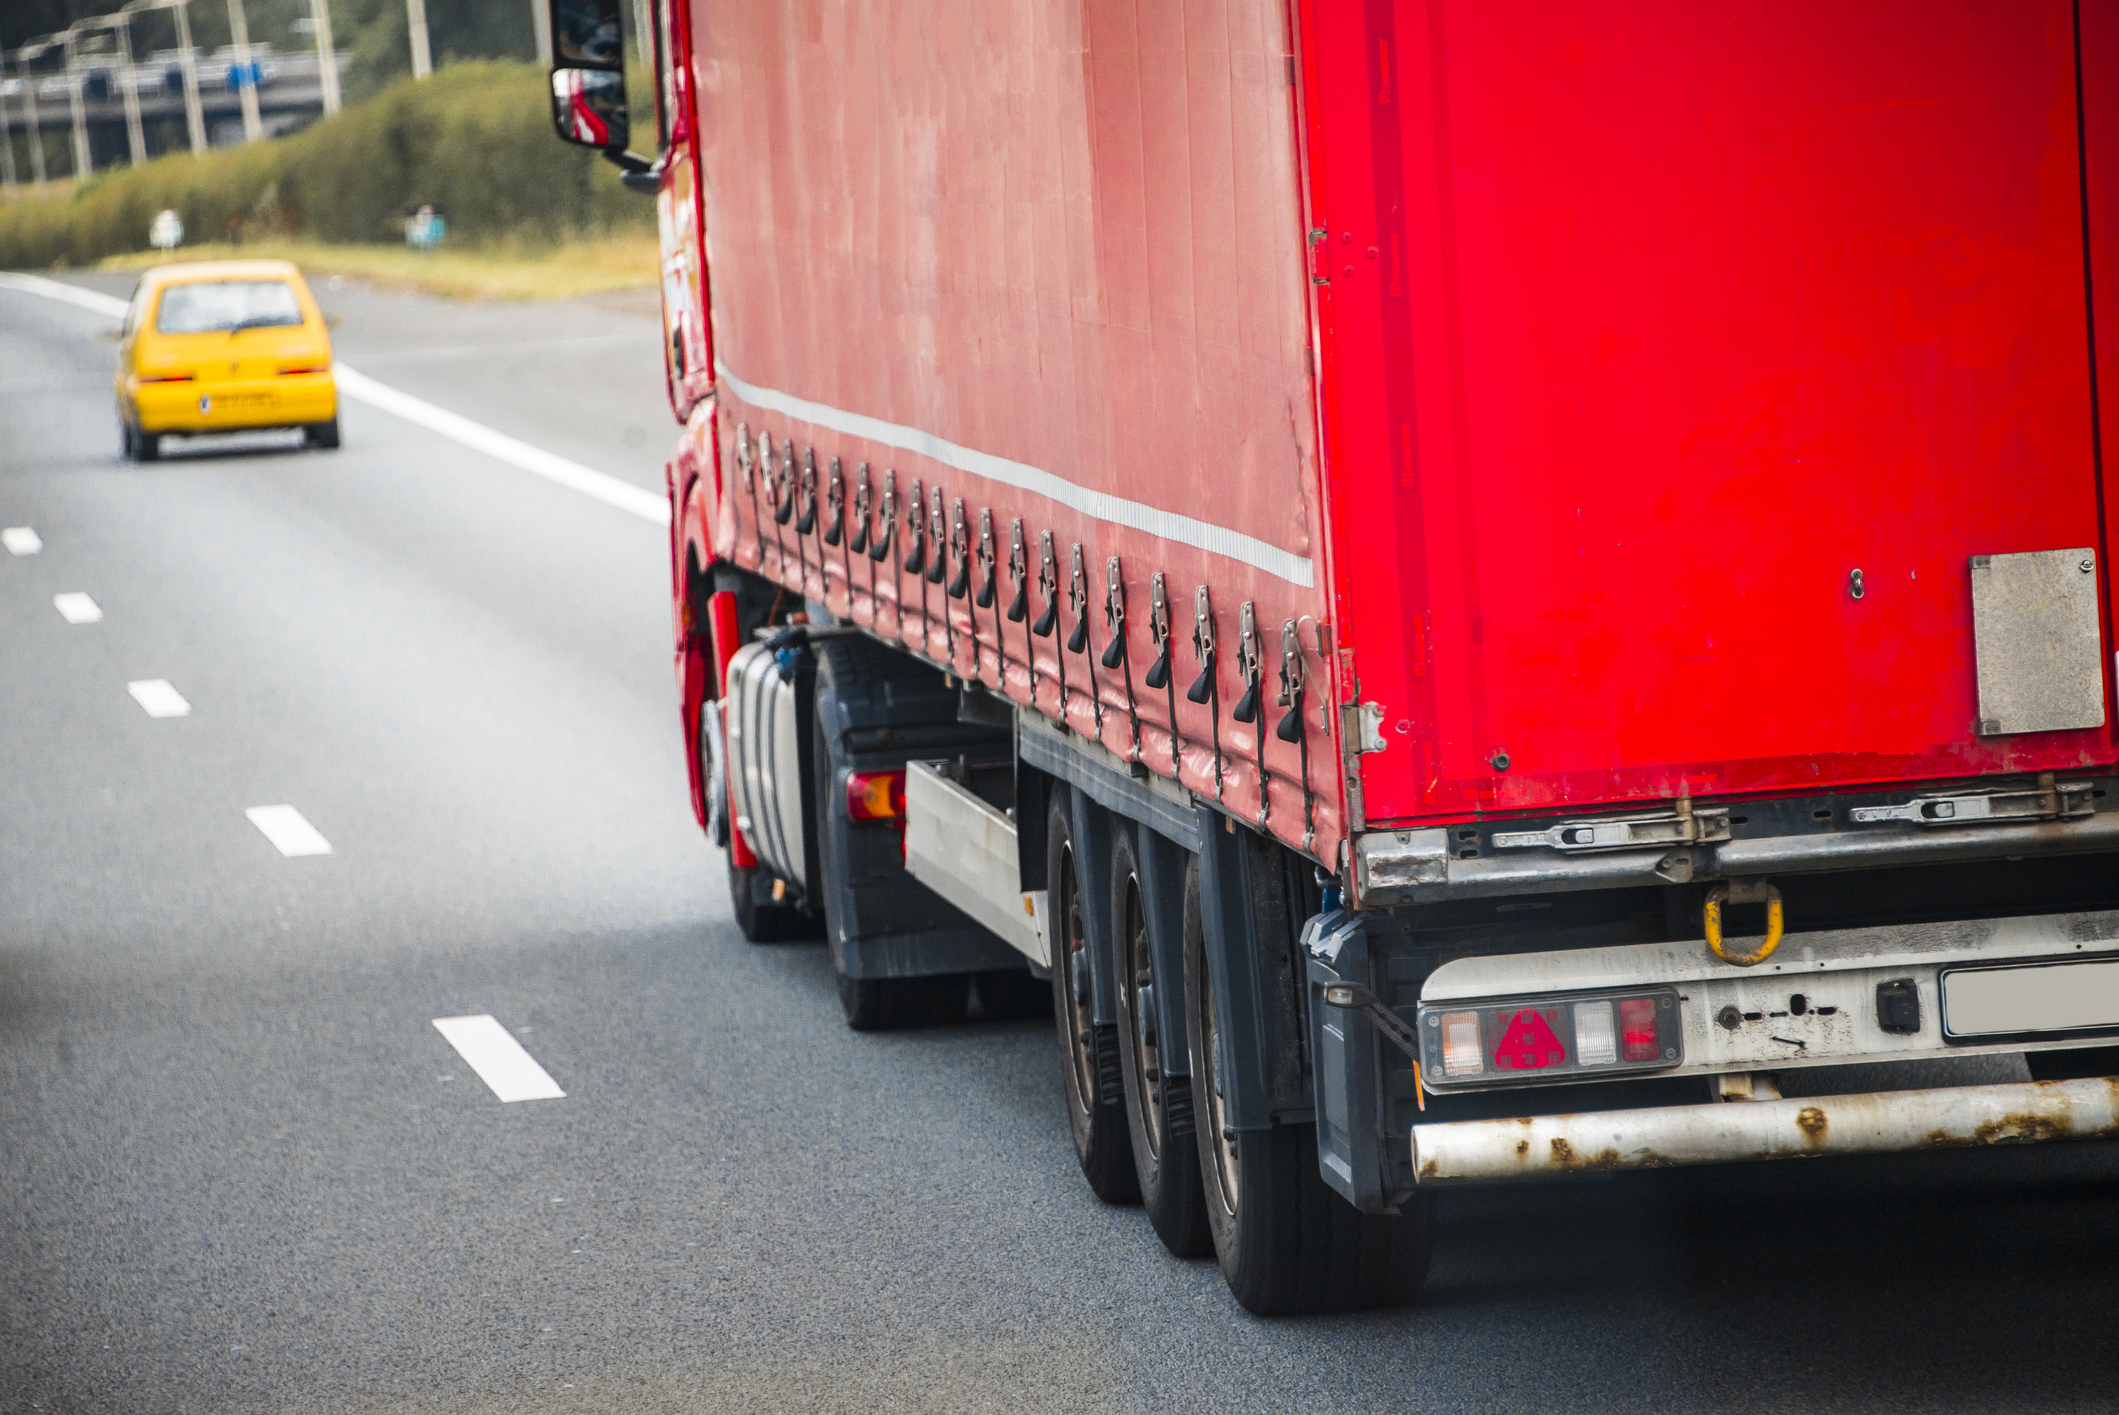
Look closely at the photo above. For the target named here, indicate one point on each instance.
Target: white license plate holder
(2074, 997)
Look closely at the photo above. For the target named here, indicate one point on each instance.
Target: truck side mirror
(588, 107)
(588, 73)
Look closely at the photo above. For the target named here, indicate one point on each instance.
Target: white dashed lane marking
(288, 830)
(77, 608)
(499, 1059)
(160, 700)
(21, 540)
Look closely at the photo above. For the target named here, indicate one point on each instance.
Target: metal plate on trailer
(2034, 627)
(2053, 997)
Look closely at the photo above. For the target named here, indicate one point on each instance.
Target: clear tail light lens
(876, 795)
(1462, 1055)
(1596, 1040)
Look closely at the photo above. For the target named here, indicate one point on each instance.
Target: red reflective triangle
(1528, 1044)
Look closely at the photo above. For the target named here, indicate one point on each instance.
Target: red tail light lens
(1529, 1042)
(307, 368)
(876, 796)
(1637, 1036)
(166, 378)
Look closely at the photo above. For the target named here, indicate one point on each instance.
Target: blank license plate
(2048, 997)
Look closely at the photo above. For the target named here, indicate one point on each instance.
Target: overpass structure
(289, 87)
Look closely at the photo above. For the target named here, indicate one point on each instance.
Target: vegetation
(475, 142)
(507, 271)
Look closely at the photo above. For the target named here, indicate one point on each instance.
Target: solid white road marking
(58, 290)
(647, 505)
(77, 608)
(499, 1059)
(288, 830)
(21, 540)
(610, 490)
(158, 698)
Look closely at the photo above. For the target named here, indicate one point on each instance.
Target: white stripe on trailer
(1101, 506)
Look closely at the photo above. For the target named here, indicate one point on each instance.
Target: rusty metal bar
(1950, 1118)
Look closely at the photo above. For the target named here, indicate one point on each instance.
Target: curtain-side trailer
(1464, 590)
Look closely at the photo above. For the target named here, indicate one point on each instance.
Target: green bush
(475, 141)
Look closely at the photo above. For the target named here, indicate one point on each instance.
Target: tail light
(166, 378)
(307, 368)
(1637, 1029)
(1462, 1055)
(876, 795)
(1550, 1038)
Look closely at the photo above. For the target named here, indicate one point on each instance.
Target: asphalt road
(240, 1169)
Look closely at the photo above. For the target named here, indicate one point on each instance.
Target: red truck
(1464, 590)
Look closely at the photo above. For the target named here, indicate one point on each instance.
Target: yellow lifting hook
(1746, 892)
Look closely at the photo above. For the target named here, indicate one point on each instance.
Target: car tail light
(876, 795)
(1550, 1037)
(1637, 1029)
(307, 368)
(166, 378)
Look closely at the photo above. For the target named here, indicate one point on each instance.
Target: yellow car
(222, 346)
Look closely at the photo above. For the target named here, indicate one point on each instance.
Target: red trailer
(1434, 564)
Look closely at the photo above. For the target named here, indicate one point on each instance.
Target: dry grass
(496, 273)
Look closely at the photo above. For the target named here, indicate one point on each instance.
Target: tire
(125, 441)
(1158, 1106)
(1287, 1244)
(1013, 993)
(323, 435)
(146, 446)
(759, 916)
(1096, 1106)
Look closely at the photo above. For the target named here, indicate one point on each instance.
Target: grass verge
(499, 272)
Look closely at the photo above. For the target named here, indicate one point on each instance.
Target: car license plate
(2042, 997)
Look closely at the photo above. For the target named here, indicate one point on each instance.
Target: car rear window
(211, 305)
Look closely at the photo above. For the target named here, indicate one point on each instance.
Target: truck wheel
(1158, 1106)
(760, 916)
(1096, 1107)
(1286, 1242)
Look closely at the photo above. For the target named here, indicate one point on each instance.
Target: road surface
(242, 1170)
